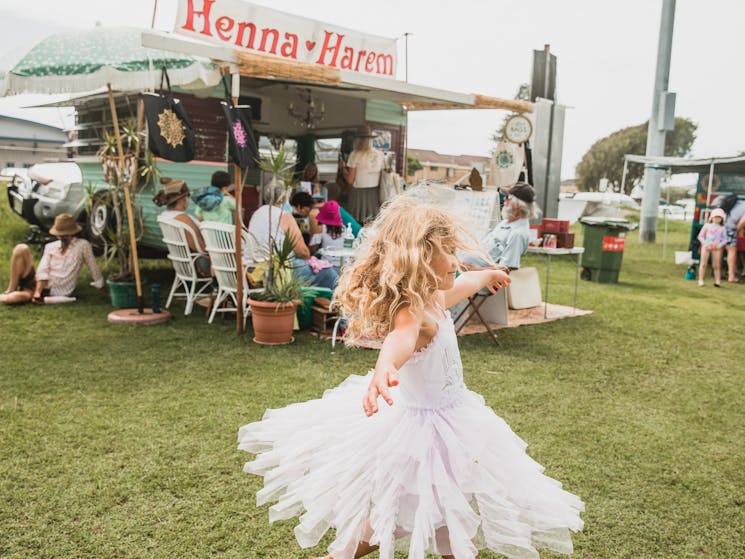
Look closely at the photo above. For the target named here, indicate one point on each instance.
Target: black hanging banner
(241, 140)
(170, 132)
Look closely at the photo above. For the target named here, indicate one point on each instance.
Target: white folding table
(574, 253)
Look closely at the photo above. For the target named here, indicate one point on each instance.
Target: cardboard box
(565, 240)
(554, 226)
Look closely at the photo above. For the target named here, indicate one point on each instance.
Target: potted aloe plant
(273, 309)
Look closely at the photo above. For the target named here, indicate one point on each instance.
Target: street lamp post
(661, 119)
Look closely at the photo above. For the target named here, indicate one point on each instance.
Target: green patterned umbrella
(80, 61)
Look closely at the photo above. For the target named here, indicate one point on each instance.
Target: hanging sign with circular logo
(518, 129)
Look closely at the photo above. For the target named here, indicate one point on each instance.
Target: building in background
(23, 142)
(448, 168)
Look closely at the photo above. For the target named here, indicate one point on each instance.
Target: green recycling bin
(604, 242)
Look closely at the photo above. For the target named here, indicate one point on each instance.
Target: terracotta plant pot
(272, 322)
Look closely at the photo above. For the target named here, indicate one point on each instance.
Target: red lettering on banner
(245, 34)
(224, 24)
(205, 13)
(385, 64)
(289, 47)
(360, 55)
(348, 59)
(242, 26)
(328, 47)
(265, 33)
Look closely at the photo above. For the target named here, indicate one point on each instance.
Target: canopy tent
(683, 165)
(678, 165)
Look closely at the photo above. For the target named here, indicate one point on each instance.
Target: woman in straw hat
(58, 271)
(362, 171)
(175, 197)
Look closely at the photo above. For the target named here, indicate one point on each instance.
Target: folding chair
(474, 307)
(183, 261)
(219, 239)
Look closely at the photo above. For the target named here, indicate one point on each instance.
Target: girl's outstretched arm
(469, 283)
(398, 346)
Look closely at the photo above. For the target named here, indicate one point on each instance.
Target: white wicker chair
(219, 239)
(183, 261)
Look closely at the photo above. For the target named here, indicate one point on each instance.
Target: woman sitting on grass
(55, 279)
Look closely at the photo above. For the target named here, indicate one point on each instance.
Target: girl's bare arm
(469, 283)
(398, 346)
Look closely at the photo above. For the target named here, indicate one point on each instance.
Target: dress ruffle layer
(447, 480)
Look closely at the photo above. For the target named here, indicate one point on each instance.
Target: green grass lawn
(119, 441)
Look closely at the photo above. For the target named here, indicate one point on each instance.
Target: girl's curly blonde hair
(393, 266)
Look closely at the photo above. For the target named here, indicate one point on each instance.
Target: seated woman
(175, 197)
(271, 219)
(58, 270)
(332, 233)
(310, 175)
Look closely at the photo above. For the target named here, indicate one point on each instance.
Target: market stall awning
(410, 96)
(683, 165)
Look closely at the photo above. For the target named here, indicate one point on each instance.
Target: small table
(341, 253)
(548, 253)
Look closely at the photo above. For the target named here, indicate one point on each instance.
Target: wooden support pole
(127, 203)
(239, 320)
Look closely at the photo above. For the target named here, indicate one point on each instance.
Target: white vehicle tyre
(100, 219)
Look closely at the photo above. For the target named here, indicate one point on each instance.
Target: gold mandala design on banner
(171, 128)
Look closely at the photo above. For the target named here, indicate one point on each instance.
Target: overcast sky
(606, 56)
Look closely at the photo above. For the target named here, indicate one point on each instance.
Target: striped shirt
(62, 270)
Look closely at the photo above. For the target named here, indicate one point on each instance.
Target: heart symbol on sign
(310, 45)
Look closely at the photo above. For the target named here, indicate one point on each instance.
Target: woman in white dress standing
(362, 171)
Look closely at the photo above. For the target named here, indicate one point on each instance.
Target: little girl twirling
(434, 470)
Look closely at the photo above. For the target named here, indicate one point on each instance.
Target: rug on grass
(523, 317)
(517, 317)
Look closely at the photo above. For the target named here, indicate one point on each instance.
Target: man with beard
(508, 241)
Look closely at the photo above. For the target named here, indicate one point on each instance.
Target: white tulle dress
(438, 472)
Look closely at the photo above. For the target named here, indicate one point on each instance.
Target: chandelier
(309, 113)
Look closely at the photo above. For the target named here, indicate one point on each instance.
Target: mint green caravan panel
(384, 112)
(196, 175)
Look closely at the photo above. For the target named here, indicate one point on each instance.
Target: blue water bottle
(155, 296)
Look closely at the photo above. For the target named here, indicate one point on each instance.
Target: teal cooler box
(604, 242)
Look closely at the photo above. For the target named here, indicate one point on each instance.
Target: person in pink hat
(332, 232)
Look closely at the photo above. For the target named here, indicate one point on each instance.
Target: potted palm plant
(108, 213)
(273, 309)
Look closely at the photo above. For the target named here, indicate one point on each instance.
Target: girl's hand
(498, 280)
(381, 381)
